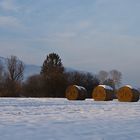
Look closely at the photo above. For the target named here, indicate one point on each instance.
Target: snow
(129, 86)
(106, 87)
(60, 119)
(80, 87)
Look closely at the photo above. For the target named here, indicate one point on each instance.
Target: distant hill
(31, 70)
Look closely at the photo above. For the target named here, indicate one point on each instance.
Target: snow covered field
(60, 119)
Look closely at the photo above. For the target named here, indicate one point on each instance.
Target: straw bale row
(103, 93)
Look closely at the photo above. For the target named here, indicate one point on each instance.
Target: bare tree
(103, 75)
(15, 69)
(116, 76)
(13, 77)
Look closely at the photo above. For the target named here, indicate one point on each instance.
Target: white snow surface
(60, 119)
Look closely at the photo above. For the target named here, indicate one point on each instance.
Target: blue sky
(89, 35)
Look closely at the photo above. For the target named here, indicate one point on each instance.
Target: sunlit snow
(60, 119)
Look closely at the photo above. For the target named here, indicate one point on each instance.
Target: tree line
(52, 80)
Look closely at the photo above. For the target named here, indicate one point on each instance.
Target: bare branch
(15, 69)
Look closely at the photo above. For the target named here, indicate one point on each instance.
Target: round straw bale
(128, 94)
(103, 93)
(75, 92)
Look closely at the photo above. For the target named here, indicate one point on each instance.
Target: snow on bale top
(106, 87)
(129, 86)
(133, 88)
(79, 87)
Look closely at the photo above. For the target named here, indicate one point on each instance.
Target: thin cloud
(9, 22)
(8, 5)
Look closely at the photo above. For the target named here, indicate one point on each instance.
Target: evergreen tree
(52, 64)
(53, 74)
